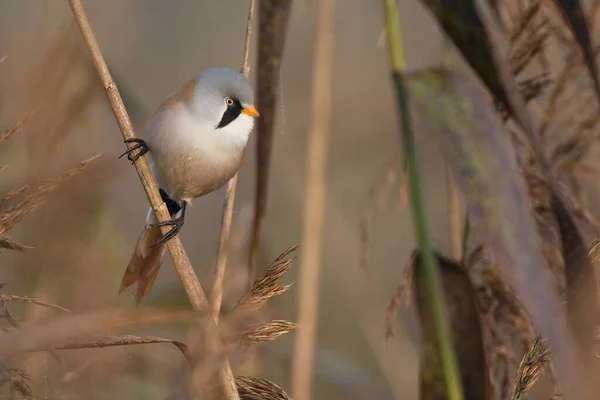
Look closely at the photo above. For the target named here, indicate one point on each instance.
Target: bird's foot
(177, 224)
(140, 145)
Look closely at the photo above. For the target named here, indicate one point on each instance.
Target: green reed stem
(445, 346)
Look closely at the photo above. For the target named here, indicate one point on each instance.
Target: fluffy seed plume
(530, 368)
(259, 389)
(267, 285)
(266, 331)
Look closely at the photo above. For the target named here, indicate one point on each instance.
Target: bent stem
(447, 353)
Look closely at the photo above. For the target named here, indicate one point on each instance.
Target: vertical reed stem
(217, 292)
(314, 206)
(417, 202)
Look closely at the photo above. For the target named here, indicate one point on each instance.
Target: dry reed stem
(32, 300)
(72, 327)
(217, 292)
(266, 331)
(98, 342)
(18, 125)
(314, 206)
(181, 261)
(259, 389)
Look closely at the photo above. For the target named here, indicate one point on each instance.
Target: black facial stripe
(172, 205)
(232, 112)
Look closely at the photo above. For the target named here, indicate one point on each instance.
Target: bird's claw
(140, 145)
(177, 224)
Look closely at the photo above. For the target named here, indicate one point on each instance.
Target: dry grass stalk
(267, 285)
(266, 331)
(181, 261)
(74, 327)
(259, 389)
(122, 340)
(16, 213)
(530, 368)
(18, 125)
(12, 297)
(314, 206)
(217, 292)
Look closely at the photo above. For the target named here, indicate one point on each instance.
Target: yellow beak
(251, 111)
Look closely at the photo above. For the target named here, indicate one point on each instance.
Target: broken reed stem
(221, 264)
(314, 205)
(181, 261)
(433, 287)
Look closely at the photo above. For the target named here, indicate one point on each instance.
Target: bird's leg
(139, 144)
(177, 223)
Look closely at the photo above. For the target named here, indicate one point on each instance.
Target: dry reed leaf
(463, 311)
(76, 327)
(18, 125)
(273, 21)
(531, 366)
(16, 213)
(259, 389)
(475, 144)
(122, 340)
(266, 331)
(12, 297)
(462, 24)
(267, 284)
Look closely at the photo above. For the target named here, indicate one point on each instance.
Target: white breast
(189, 152)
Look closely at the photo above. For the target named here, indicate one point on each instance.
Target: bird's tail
(146, 260)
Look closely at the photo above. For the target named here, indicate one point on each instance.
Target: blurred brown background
(85, 234)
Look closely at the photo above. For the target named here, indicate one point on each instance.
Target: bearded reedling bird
(197, 139)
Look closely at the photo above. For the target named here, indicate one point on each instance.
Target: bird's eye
(229, 101)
